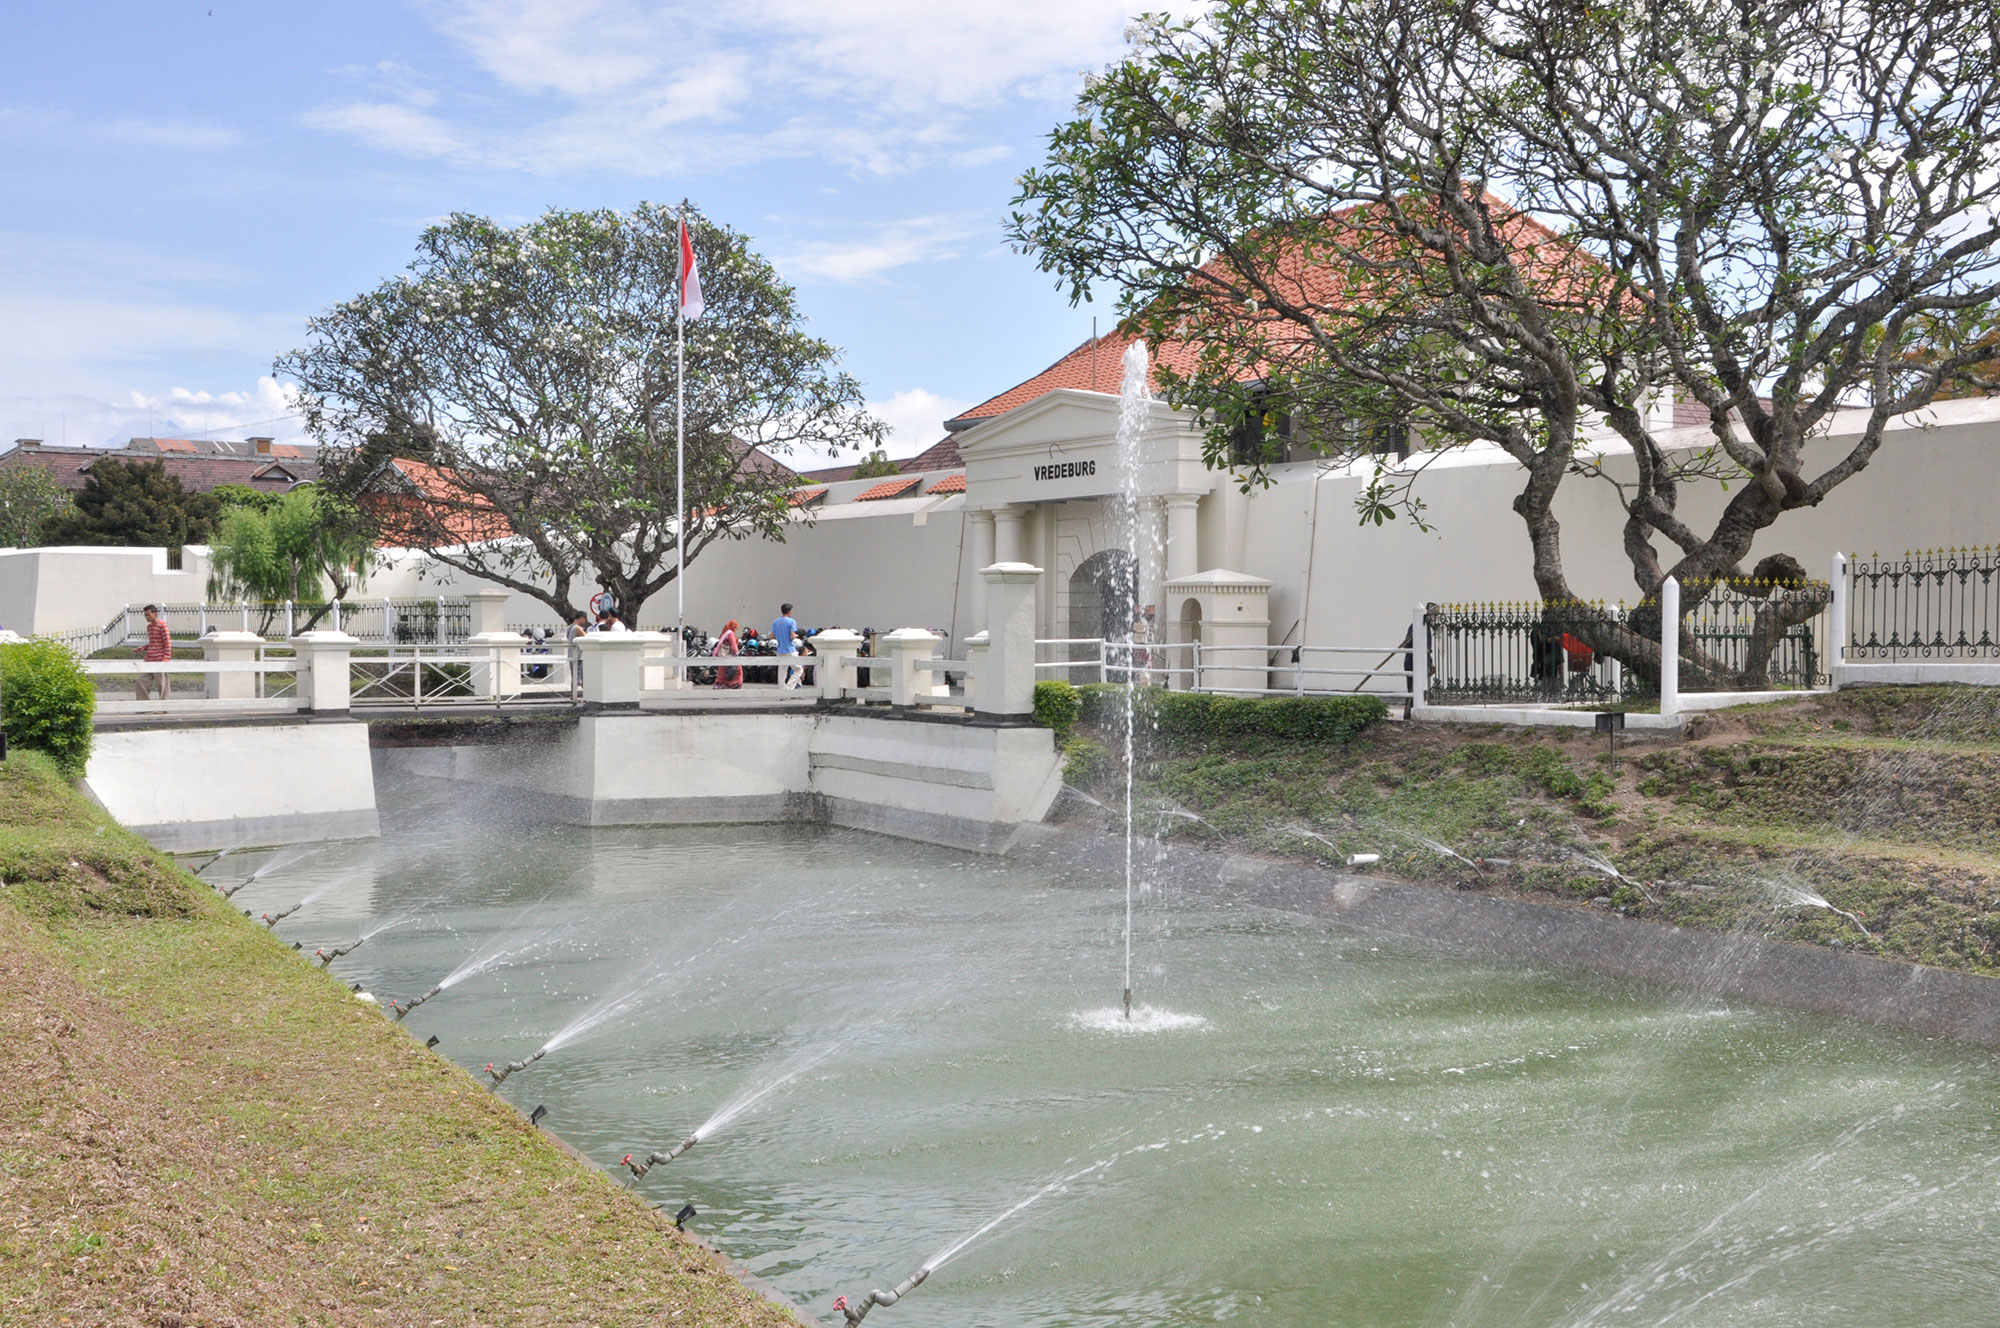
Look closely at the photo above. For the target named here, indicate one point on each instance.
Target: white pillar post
(834, 651)
(220, 647)
(1670, 648)
(1006, 686)
(1182, 554)
(335, 606)
(612, 662)
(324, 662)
(388, 621)
(976, 666)
(1006, 535)
(904, 647)
(1836, 623)
(982, 556)
(489, 611)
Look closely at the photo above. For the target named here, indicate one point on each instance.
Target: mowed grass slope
(1883, 801)
(197, 1127)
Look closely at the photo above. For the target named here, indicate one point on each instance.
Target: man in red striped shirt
(159, 649)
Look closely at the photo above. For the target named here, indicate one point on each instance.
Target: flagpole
(680, 433)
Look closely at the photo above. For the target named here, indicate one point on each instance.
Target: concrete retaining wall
(1803, 977)
(193, 788)
(942, 780)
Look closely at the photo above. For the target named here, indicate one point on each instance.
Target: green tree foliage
(537, 364)
(135, 503)
(46, 702)
(876, 466)
(1532, 222)
(29, 500)
(295, 547)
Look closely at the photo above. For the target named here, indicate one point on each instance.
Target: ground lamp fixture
(681, 1218)
(535, 1116)
(432, 1043)
(1611, 723)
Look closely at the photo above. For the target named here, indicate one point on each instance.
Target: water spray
(639, 1169)
(856, 1313)
(500, 1076)
(403, 1010)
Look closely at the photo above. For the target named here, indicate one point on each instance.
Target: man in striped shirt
(159, 649)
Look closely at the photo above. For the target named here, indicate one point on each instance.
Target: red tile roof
(803, 497)
(1097, 365)
(950, 484)
(941, 455)
(895, 488)
(426, 506)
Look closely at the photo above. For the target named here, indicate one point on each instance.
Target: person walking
(159, 649)
(726, 647)
(785, 632)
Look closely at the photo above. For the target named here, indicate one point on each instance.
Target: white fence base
(1917, 673)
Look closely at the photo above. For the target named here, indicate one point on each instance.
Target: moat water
(1311, 1127)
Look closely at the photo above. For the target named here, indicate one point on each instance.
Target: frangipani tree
(1504, 221)
(537, 366)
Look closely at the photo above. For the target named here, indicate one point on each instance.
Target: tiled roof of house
(1097, 365)
(894, 488)
(806, 497)
(418, 505)
(949, 484)
(70, 467)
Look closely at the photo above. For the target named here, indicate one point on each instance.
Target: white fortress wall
(67, 589)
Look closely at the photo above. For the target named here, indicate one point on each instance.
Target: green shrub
(46, 701)
(1335, 719)
(1085, 762)
(1057, 705)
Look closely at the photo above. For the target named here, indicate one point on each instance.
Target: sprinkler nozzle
(500, 1076)
(420, 1000)
(856, 1313)
(328, 956)
(660, 1159)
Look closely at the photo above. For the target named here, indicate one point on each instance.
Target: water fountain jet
(513, 1067)
(639, 1169)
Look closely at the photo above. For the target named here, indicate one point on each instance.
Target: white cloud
(31, 122)
(916, 418)
(648, 89)
(85, 420)
(893, 245)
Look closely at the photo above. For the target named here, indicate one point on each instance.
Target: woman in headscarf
(725, 648)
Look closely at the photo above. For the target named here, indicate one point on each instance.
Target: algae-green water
(1330, 1129)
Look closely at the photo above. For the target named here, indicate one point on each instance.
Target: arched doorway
(1102, 591)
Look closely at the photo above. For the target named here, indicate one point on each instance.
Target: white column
(834, 651)
(324, 661)
(982, 556)
(1006, 685)
(489, 611)
(230, 648)
(904, 647)
(976, 665)
(1006, 535)
(1183, 553)
(611, 666)
(1836, 622)
(1670, 648)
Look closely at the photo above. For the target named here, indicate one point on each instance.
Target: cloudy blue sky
(188, 181)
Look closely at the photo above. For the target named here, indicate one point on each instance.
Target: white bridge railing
(1234, 670)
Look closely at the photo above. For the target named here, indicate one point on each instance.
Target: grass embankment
(1886, 802)
(199, 1128)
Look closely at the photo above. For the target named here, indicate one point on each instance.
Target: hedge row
(1202, 715)
(46, 702)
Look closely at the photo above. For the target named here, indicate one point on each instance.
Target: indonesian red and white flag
(691, 305)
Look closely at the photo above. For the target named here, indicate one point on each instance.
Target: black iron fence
(1735, 635)
(1532, 652)
(1739, 634)
(1933, 604)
